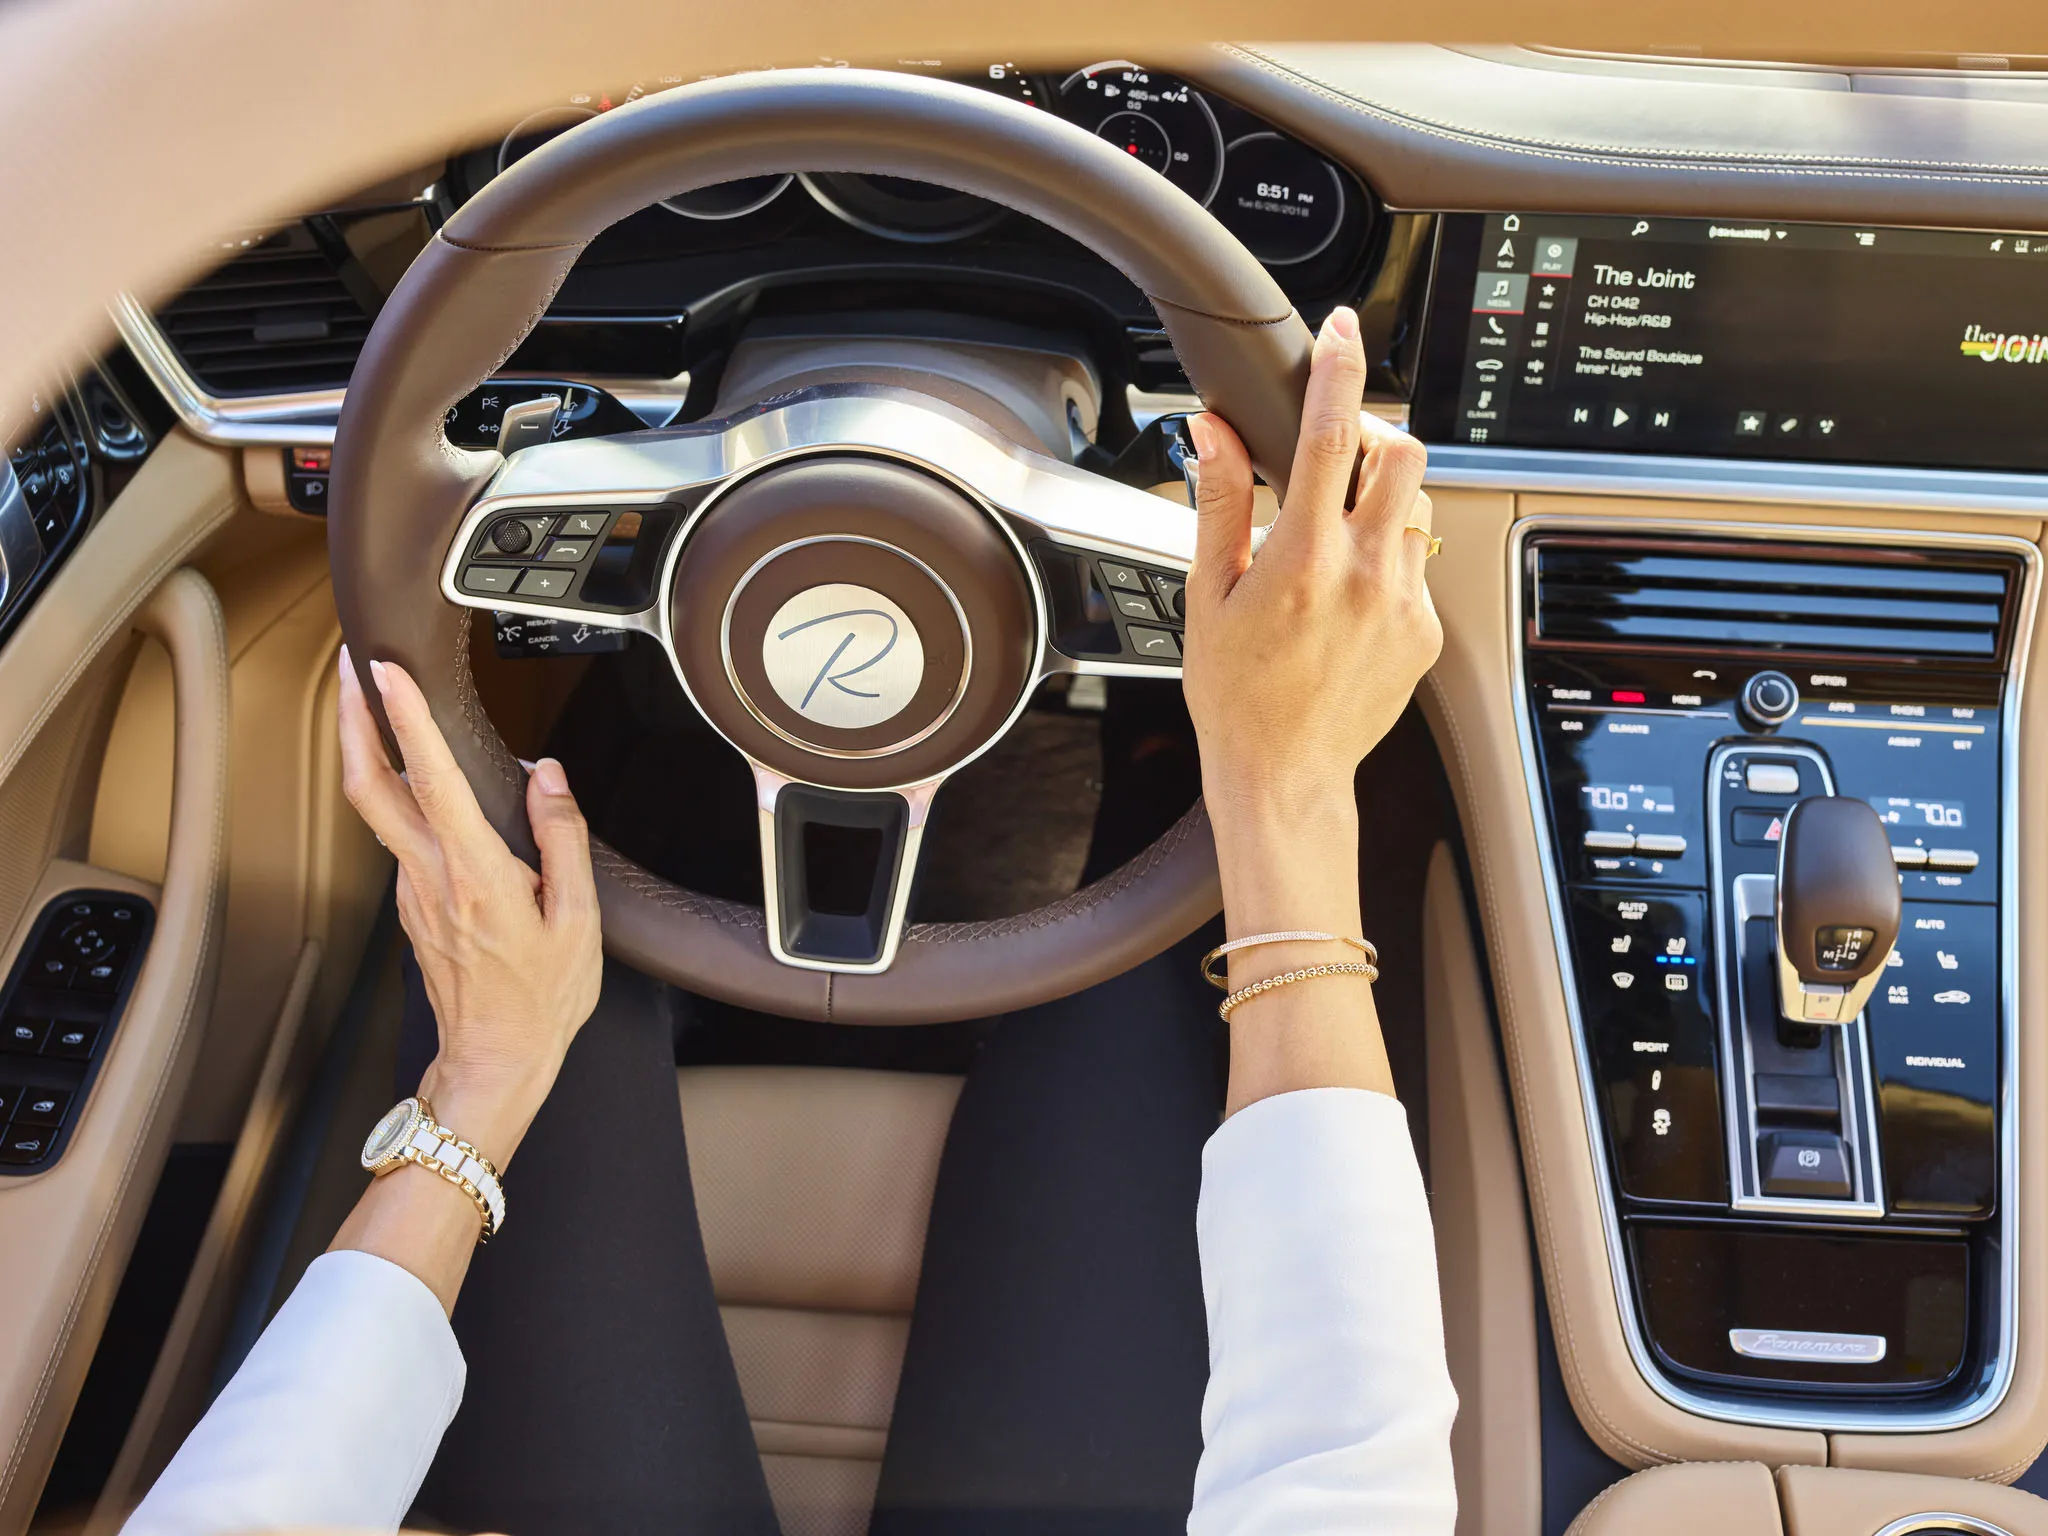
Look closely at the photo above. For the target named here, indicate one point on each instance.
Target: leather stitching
(1739, 162)
(1242, 320)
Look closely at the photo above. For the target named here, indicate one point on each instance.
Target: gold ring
(1435, 543)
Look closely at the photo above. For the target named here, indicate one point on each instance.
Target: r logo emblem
(842, 656)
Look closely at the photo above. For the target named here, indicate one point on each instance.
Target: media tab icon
(1501, 293)
(1554, 255)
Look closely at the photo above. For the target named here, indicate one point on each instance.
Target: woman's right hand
(1298, 662)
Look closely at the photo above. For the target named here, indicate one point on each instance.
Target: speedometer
(1157, 118)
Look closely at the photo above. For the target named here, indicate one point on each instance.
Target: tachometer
(1282, 199)
(1157, 118)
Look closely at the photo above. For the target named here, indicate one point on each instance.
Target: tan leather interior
(1730, 1498)
(65, 1234)
(1741, 1498)
(813, 1187)
(1482, 1230)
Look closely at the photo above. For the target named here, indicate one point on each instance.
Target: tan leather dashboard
(1471, 702)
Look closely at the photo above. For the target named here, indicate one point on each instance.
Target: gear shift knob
(1838, 909)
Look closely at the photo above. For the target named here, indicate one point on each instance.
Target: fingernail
(1344, 321)
(377, 676)
(548, 774)
(1204, 435)
(345, 667)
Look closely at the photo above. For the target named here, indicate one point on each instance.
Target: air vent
(275, 320)
(1808, 600)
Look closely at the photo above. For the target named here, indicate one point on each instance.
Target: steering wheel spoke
(837, 867)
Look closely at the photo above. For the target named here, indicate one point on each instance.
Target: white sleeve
(1330, 1403)
(332, 1420)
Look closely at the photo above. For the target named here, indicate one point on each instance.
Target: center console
(1775, 776)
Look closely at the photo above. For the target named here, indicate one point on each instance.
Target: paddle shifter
(1838, 909)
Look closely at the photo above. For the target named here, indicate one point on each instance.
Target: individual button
(544, 583)
(1951, 858)
(488, 578)
(1909, 858)
(1134, 605)
(1769, 699)
(583, 525)
(1771, 779)
(73, 1042)
(566, 551)
(1752, 828)
(1172, 594)
(1125, 577)
(1668, 845)
(1157, 644)
(1799, 1098)
(1804, 1165)
(24, 1037)
(51, 971)
(515, 536)
(1611, 842)
(102, 977)
(42, 1106)
(24, 1144)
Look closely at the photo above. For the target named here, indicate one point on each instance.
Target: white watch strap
(450, 1156)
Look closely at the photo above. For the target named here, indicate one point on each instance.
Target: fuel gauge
(1157, 118)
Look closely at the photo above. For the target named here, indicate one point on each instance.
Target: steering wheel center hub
(853, 621)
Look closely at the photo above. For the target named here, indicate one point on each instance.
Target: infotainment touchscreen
(1726, 338)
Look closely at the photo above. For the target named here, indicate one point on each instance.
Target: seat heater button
(488, 578)
(1665, 844)
(1611, 842)
(1133, 606)
(42, 1106)
(1124, 576)
(1909, 858)
(1771, 779)
(1804, 1165)
(544, 583)
(24, 1037)
(1951, 858)
(1154, 644)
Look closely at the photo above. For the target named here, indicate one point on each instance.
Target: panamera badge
(842, 656)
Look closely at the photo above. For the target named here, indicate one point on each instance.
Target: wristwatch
(410, 1134)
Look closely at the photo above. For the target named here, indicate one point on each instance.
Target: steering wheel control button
(539, 583)
(515, 536)
(1133, 605)
(1172, 594)
(1611, 842)
(1154, 644)
(1804, 1165)
(566, 551)
(1769, 699)
(583, 525)
(1771, 778)
(843, 656)
(1122, 577)
(489, 578)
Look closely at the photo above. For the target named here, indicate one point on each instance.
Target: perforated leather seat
(813, 1186)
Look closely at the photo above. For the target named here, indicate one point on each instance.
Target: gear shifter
(1838, 909)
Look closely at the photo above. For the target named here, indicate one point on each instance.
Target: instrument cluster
(1288, 204)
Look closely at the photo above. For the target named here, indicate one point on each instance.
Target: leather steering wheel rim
(399, 489)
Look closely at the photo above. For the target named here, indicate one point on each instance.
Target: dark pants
(1057, 1356)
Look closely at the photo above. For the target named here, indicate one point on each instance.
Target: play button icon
(1620, 418)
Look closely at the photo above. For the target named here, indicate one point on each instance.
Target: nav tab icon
(1998, 244)
(1511, 223)
(1506, 251)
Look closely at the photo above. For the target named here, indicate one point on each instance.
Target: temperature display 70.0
(1637, 799)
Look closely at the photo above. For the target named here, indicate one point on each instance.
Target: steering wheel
(859, 584)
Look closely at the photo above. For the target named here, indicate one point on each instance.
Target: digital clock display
(1630, 799)
(1913, 815)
